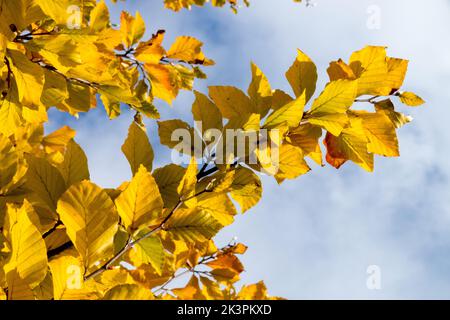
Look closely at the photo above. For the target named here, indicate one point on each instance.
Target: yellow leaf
(329, 109)
(99, 19)
(227, 261)
(56, 238)
(79, 100)
(260, 91)
(55, 89)
(280, 99)
(18, 13)
(8, 161)
(192, 225)
(191, 291)
(29, 78)
(246, 188)
(56, 10)
(45, 181)
(119, 94)
(396, 72)
(28, 261)
(219, 206)
(211, 289)
(162, 81)
(18, 289)
(245, 122)
(290, 115)
(168, 179)
(61, 51)
(381, 134)
(186, 188)
(340, 70)
(140, 203)
(3, 45)
(231, 101)
(44, 291)
(350, 145)
(132, 29)
(58, 140)
(178, 135)
(67, 274)
(74, 167)
(128, 292)
(150, 250)
(370, 68)
(306, 137)
(188, 49)
(411, 99)
(302, 76)
(91, 221)
(207, 113)
(137, 148)
(256, 291)
(387, 107)
(151, 51)
(291, 163)
(10, 114)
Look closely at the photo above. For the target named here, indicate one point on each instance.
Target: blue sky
(315, 237)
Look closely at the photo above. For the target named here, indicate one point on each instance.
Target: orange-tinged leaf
(350, 145)
(256, 291)
(340, 70)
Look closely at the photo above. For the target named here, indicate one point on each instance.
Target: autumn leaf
(137, 148)
(82, 208)
(140, 203)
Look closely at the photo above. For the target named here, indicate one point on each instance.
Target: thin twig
(131, 243)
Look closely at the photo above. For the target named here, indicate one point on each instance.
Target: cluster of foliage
(64, 237)
(177, 5)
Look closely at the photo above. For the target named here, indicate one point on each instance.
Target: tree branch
(131, 243)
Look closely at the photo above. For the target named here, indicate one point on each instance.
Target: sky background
(316, 236)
